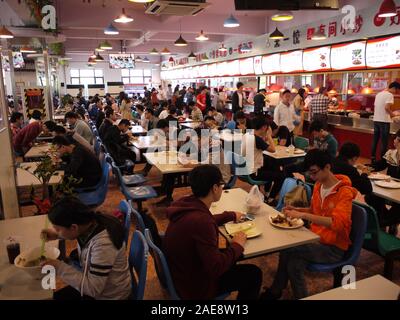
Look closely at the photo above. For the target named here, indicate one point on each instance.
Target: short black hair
(71, 114)
(139, 107)
(36, 114)
(283, 133)
(61, 141)
(15, 116)
(394, 84)
(162, 123)
(259, 122)
(261, 90)
(317, 125)
(50, 125)
(96, 99)
(240, 115)
(212, 109)
(349, 150)
(164, 104)
(286, 91)
(172, 110)
(322, 90)
(273, 125)
(191, 103)
(203, 178)
(208, 118)
(60, 130)
(316, 157)
(109, 112)
(150, 110)
(239, 84)
(125, 122)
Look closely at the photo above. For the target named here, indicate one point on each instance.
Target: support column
(49, 93)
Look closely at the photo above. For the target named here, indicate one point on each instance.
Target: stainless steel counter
(362, 125)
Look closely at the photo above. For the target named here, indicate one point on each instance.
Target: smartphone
(249, 217)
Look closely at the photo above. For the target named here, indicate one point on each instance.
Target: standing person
(199, 269)
(36, 116)
(147, 93)
(238, 98)
(259, 102)
(79, 126)
(382, 118)
(208, 99)
(181, 97)
(161, 95)
(154, 98)
(23, 141)
(319, 106)
(189, 95)
(201, 100)
(299, 103)
(284, 114)
(168, 93)
(126, 109)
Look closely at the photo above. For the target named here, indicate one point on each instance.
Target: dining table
(26, 178)
(282, 152)
(167, 162)
(272, 239)
(38, 150)
(389, 194)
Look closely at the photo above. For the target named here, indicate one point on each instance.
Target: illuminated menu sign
(271, 63)
(222, 69)
(292, 61)
(317, 59)
(383, 53)
(348, 56)
(195, 71)
(246, 66)
(233, 68)
(212, 70)
(203, 71)
(257, 61)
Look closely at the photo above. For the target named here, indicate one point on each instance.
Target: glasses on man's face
(313, 172)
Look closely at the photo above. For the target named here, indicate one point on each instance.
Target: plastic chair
(301, 143)
(97, 145)
(139, 219)
(138, 257)
(357, 233)
(126, 209)
(239, 162)
(228, 156)
(96, 198)
(380, 242)
(288, 185)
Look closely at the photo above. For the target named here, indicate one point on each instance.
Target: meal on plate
(31, 263)
(282, 220)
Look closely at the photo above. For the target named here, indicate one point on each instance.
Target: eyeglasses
(314, 172)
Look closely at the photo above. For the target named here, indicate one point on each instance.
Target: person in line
(383, 115)
(108, 122)
(36, 116)
(323, 140)
(16, 122)
(319, 106)
(299, 103)
(79, 126)
(345, 164)
(201, 100)
(259, 102)
(238, 98)
(80, 164)
(330, 217)
(104, 272)
(219, 118)
(199, 269)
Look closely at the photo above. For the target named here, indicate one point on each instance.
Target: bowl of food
(30, 260)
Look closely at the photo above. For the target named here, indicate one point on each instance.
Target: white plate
(378, 176)
(253, 232)
(299, 151)
(297, 223)
(390, 185)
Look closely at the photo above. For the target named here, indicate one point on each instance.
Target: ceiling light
(205, 58)
(231, 22)
(245, 48)
(282, 16)
(123, 18)
(5, 33)
(222, 48)
(26, 49)
(171, 60)
(99, 49)
(387, 9)
(111, 30)
(105, 45)
(319, 35)
(276, 35)
(93, 56)
(141, 1)
(180, 42)
(146, 60)
(154, 51)
(99, 58)
(201, 36)
(165, 51)
(138, 59)
(191, 55)
(91, 61)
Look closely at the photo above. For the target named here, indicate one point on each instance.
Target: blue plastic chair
(97, 144)
(358, 229)
(228, 156)
(288, 185)
(239, 163)
(96, 197)
(301, 143)
(138, 257)
(125, 208)
(231, 125)
(139, 220)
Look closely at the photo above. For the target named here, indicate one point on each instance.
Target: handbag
(297, 197)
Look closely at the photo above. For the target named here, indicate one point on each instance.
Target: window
(136, 76)
(87, 76)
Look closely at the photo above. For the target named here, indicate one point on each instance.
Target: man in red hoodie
(330, 217)
(200, 270)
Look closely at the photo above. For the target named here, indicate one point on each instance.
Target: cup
(13, 248)
(291, 149)
(276, 141)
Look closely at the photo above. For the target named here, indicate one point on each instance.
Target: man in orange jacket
(330, 217)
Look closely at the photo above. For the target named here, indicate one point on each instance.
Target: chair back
(138, 257)
(228, 158)
(301, 143)
(139, 219)
(161, 265)
(126, 209)
(371, 239)
(97, 144)
(288, 185)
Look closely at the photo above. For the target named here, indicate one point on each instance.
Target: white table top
(27, 179)
(145, 142)
(59, 116)
(16, 284)
(166, 162)
(138, 130)
(373, 288)
(282, 153)
(37, 151)
(190, 125)
(272, 239)
(227, 136)
(386, 193)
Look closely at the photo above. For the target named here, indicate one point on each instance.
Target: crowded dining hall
(200, 150)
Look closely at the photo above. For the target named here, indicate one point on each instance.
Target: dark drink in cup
(13, 250)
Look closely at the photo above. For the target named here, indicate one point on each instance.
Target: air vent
(177, 8)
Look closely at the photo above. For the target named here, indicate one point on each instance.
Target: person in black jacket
(238, 98)
(344, 164)
(81, 164)
(116, 140)
(107, 123)
(259, 102)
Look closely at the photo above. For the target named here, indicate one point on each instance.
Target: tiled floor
(368, 265)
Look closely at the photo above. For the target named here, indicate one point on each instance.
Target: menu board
(383, 53)
(271, 63)
(233, 68)
(203, 71)
(195, 72)
(246, 66)
(292, 61)
(348, 56)
(258, 65)
(212, 70)
(222, 69)
(122, 61)
(317, 59)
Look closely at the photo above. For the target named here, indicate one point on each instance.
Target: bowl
(36, 271)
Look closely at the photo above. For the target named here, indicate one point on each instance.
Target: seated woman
(104, 272)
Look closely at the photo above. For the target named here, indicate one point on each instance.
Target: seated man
(196, 113)
(79, 126)
(72, 137)
(330, 217)
(212, 112)
(323, 140)
(16, 122)
(199, 269)
(239, 122)
(81, 163)
(107, 123)
(345, 164)
(172, 118)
